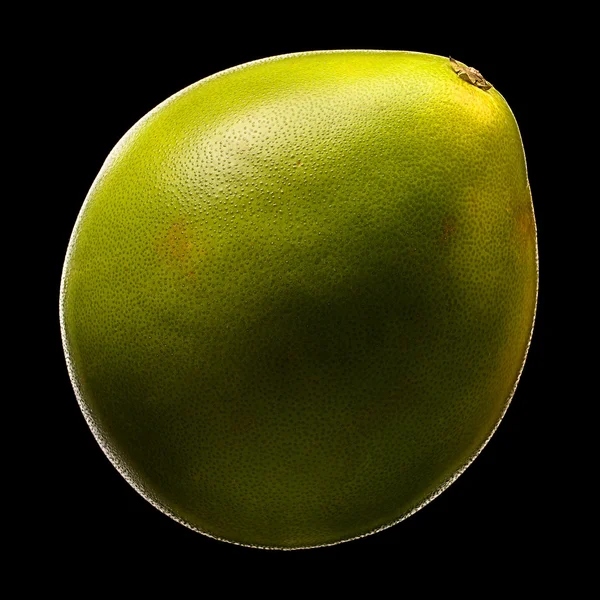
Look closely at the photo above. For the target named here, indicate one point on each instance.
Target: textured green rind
(300, 293)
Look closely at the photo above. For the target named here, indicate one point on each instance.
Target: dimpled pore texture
(299, 295)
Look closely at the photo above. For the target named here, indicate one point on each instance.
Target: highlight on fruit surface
(300, 293)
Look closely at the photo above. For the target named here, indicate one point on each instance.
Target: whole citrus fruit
(300, 293)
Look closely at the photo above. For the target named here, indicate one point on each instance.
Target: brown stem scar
(469, 74)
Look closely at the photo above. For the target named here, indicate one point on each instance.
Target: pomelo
(299, 295)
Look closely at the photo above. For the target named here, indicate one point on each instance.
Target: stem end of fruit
(469, 74)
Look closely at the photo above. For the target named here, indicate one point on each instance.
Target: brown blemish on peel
(524, 222)
(178, 244)
(449, 226)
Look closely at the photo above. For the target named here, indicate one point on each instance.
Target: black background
(508, 507)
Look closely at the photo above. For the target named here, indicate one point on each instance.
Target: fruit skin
(299, 295)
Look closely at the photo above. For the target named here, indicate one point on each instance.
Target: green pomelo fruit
(299, 295)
